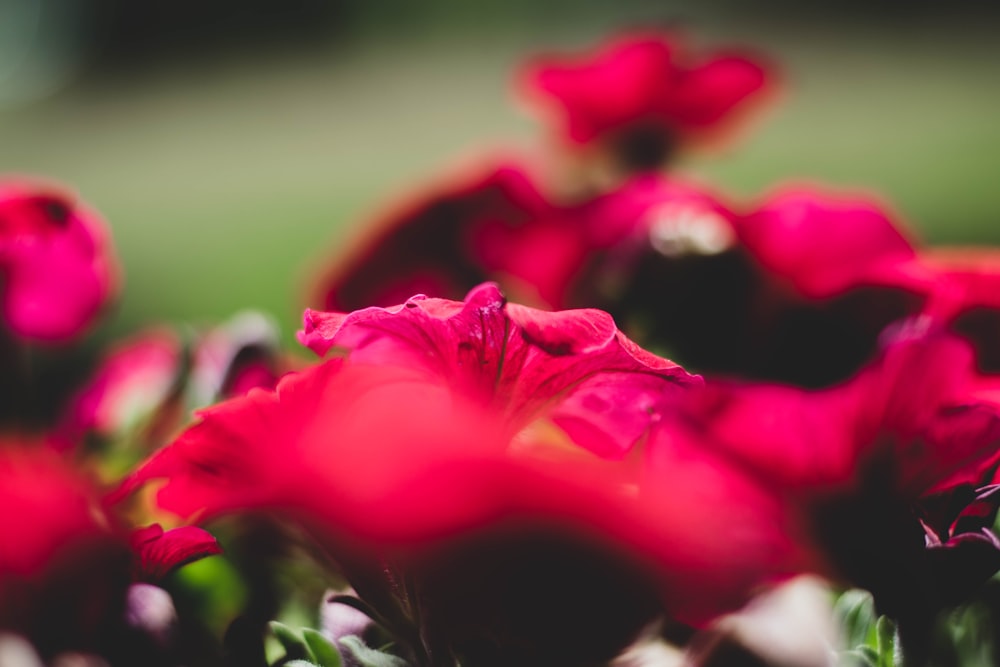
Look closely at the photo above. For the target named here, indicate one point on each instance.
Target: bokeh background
(231, 144)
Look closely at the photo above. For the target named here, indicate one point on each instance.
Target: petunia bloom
(797, 289)
(66, 562)
(158, 552)
(63, 568)
(866, 460)
(141, 391)
(575, 364)
(645, 94)
(442, 445)
(56, 261)
(426, 245)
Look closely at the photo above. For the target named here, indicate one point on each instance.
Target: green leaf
(323, 650)
(864, 656)
(293, 643)
(369, 657)
(856, 612)
(885, 631)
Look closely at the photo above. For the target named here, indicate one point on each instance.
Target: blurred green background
(232, 145)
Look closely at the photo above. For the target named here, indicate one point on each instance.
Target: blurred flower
(425, 245)
(135, 378)
(143, 389)
(158, 552)
(56, 260)
(64, 568)
(862, 458)
(824, 244)
(498, 221)
(66, 562)
(642, 95)
(797, 290)
(442, 447)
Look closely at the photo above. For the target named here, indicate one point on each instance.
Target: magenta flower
(65, 559)
(864, 460)
(575, 365)
(143, 390)
(644, 93)
(158, 552)
(432, 243)
(134, 380)
(796, 290)
(456, 442)
(56, 261)
(824, 245)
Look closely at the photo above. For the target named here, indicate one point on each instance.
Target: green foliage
(323, 650)
(871, 640)
(309, 648)
(370, 657)
(305, 647)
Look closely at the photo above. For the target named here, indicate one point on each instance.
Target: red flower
(428, 448)
(158, 552)
(575, 364)
(63, 567)
(133, 381)
(798, 290)
(646, 92)
(824, 245)
(859, 459)
(56, 261)
(142, 390)
(437, 242)
(382, 462)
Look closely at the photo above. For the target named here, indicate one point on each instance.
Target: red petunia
(56, 261)
(575, 365)
(63, 565)
(861, 459)
(797, 289)
(158, 552)
(441, 240)
(824, 244)
(443, 444)
(648, 92)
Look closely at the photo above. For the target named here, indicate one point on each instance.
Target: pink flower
(63, 568)
(573, 364)
(860, 459)
(428, 244)
(824, 244)
(134, 380)
(56, 260)
(158, 552)
(797, 289)
(383, 464)
(456, 442)
(644, 92)
(143, 389)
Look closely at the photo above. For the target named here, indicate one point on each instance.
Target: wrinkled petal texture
(520, 360)
(824, 245)
(56, 262)
(639, 79)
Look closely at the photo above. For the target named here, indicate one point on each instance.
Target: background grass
(225, 179)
